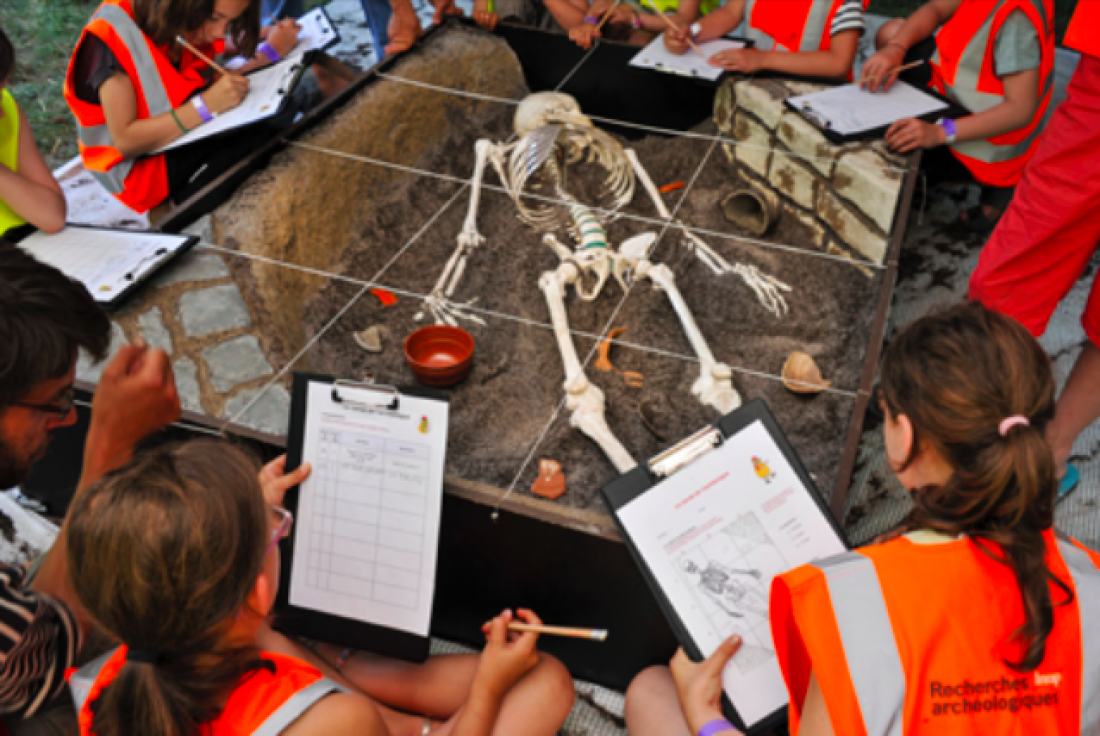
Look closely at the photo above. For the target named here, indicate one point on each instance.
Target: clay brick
(754, 144)
(866, 181)
(815, 230)
(762, 100)
(849, 228)
(789, 177)
(805, 140)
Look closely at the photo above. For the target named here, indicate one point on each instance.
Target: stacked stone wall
(845, 197)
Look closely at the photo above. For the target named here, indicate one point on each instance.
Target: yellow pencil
(201, 55)
(591, 634)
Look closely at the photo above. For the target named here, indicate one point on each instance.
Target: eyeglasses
(282, 521)
(62, 408)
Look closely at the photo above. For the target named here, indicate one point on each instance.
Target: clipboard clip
(685, 452)
(388, 397)
(815, 117)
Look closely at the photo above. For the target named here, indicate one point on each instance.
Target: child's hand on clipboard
(700, 683)
(275, 481)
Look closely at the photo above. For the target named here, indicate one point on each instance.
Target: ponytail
(164, 555)
(958, 375)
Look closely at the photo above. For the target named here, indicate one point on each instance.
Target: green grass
(45, 31)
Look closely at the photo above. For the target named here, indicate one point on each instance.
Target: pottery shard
(551, 481)
(370, 339)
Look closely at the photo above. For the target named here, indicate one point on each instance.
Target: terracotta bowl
(440, 355)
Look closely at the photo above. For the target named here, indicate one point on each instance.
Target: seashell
(802, 376)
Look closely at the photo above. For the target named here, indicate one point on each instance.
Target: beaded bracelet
(176, 118)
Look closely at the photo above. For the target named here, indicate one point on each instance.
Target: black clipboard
(315, 624)
(952, 110)
(620, 492)
(145, 270)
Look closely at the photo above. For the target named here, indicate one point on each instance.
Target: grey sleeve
(1017, 47)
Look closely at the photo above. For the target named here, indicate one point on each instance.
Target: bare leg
(537, 705)
(1078, 406)
(653, 706)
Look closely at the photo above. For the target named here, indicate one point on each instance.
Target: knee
(888, 30)
(645, 690)
(555, 682)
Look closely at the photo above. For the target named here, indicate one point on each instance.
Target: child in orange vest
(28, 191)
(823, 34)
(974, 619)
(996, 61)
(177, 558)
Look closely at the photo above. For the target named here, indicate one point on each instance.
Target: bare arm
(687, 12)
(32, 192)
(340, 714)
(836, 62)
(568, 13)
(283, 37)
(880, 71)
(815, 716)
(714, 25)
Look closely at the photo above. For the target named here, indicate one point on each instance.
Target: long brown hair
(957, 375)
(163, 555)
(163, 20)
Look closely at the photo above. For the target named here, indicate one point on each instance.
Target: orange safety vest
(142, 183)
(908, 638)
(791, 25)
(264, 703)
(1083, 32)
(963, 69)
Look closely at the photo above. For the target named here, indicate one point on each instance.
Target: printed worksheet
(367, 525)
(714, 535)
(848, 109)
(315, 32)
(107, 262)
(689, 64)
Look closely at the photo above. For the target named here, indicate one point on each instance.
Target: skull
(546, 108)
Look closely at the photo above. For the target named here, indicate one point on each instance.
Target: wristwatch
(949, 129)
(696, 29)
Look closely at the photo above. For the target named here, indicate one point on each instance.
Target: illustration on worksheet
(728, 573)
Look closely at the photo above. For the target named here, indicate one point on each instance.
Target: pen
(567, 631)
(201, 55)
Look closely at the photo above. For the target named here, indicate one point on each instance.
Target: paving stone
(270, 413)
(754, 144)
(153, 330)
(216, 309)
(235, 362)
(791, 178)
(86, 371)
(849, 228)
(187, 384)
(805, 140)
(864, 179)
(192, 267)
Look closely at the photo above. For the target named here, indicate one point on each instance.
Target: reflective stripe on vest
(964, 86)
(765, 19)
(867, 636)
(80, 685)
(113, 179)
(1086, 583)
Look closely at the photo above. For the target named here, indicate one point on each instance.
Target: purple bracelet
(202, 109)
(718, 725)
(269, 51)
(591, 19)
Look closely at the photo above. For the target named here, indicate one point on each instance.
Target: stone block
(192, 267)
(789, 177)
(216, 309)
(151, 325)
(762, 99)
(815, 231)
(849, 228)
(868, 182)
(270, 413)
(236, 361)
(725, 105)
(804, 139)
(754, 144)
(88, 371)
(187, 384)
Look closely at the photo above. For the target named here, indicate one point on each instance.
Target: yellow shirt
(9, 154)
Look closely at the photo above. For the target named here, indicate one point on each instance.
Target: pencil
(201, 55)
(895, 70)
(607, 15)
(676, 28)
(592, 634)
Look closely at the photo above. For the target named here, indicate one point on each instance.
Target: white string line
(637, 126)
(313, 341)
(656, 221)
(576, 68)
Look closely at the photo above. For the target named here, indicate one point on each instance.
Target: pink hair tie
(1011, 422)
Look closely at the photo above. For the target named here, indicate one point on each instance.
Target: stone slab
(849, 228)
(754, 144)
(805, 140)
(187, 384)
(151, 325)
(270, 413)
(762, 100)
(864, 179)
(790, 178)
(86, 370)
(192, 267)
(237, 361)
(216, 309)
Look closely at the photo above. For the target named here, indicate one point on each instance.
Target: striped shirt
(849, 17)
(39, 640)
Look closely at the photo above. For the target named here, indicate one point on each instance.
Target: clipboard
(938, 107)
(73, 259)
(656, 58)
(708, 443)
(371, 399)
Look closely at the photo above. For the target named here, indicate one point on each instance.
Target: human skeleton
(551, 134)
